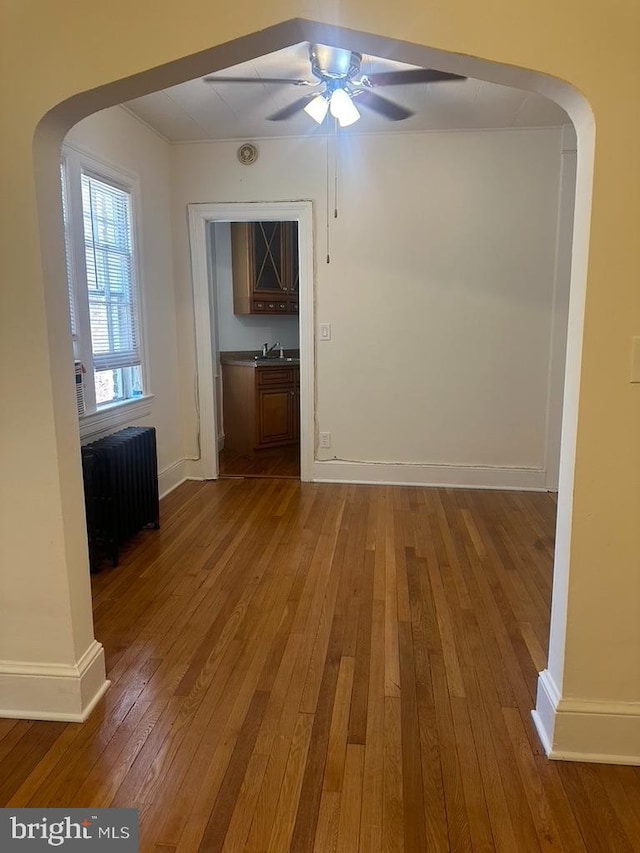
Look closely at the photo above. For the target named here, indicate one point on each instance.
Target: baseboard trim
(449, 476)
(584, 729)
(59, 692)
(543, 715)
(171, 477)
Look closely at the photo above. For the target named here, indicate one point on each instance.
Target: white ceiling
(197, 110)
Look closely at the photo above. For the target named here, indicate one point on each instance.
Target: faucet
(266, 349)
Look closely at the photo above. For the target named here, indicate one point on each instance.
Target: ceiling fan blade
(386, 108)
(288, 111)
(215, 79)
(411, 75)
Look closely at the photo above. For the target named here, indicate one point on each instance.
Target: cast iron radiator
(120, 476)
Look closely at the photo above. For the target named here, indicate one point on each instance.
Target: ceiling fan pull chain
(327, 196)
(335, 168)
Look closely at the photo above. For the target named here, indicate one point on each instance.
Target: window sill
(114, 415)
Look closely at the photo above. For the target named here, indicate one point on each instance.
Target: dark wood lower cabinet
(260, 406)
(276, 421)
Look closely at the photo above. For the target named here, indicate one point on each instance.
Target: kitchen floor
(278, 462)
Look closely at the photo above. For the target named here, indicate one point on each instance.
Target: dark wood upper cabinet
(265, 267)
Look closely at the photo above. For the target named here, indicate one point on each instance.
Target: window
(103, 283)
(111, 290)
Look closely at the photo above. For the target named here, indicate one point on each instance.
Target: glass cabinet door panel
(268, 257)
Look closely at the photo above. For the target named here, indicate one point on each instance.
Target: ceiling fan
(339, 83)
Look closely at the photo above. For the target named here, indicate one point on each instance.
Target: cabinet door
(265, 267)
(296, 415)
(276, 416)
(267, 249)
(296, 404)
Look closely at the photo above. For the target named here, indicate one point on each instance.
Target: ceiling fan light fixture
(333, 62)
(317, 108)
(342, 108)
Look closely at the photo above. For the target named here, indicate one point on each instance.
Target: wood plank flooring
(318, 668)
(274, 462)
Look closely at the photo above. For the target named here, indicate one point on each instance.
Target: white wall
(236, 332)
(123, 142)
(440, 288)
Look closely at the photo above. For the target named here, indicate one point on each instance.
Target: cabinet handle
(272, 305)
(293, 393)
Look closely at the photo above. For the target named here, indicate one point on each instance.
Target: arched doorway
(55, 124)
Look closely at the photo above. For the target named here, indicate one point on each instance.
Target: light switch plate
(325, 331)
(635, 360)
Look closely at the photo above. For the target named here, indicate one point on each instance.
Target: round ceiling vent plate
(247, 154)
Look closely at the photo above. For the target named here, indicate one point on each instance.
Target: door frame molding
(199, 217)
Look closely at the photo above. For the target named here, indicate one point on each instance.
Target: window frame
(99, 418)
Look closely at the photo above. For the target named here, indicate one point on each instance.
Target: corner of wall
(43, 691)
(586, 730)
(171, 477)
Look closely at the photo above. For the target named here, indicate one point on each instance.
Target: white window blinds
(111, 285)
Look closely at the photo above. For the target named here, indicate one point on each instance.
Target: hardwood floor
(327, 668)
(276, 462)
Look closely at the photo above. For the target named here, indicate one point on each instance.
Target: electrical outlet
(325, 331)
(325, 439)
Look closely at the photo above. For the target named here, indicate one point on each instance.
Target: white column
(51, 667)
(588, 699)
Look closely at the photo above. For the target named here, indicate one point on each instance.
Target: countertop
(255, 359)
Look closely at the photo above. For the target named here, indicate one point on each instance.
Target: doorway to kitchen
(255, 281)
(252, 280)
